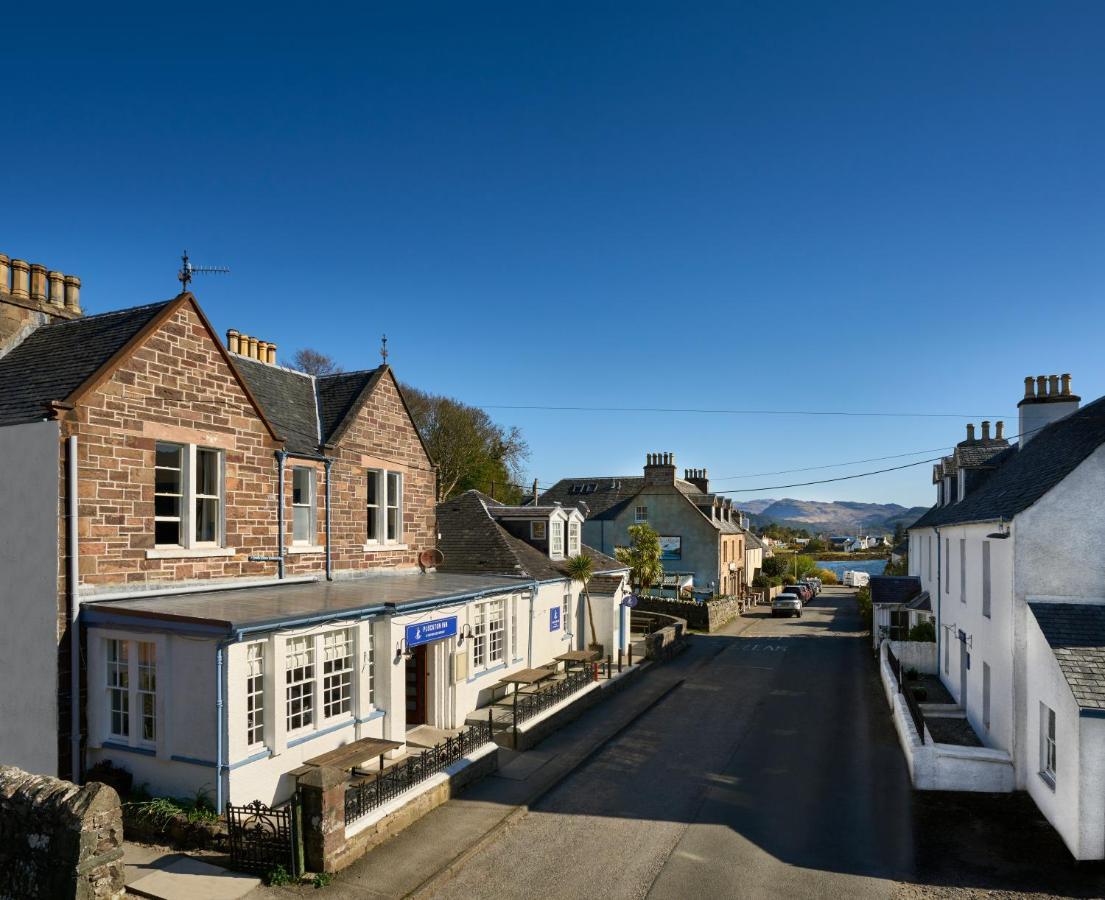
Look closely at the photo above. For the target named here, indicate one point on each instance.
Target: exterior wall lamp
(465, 632)
(403, 651)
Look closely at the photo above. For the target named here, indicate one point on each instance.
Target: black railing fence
(527, 705)
(364, 796)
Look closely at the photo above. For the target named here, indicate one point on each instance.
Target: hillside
(838, 516)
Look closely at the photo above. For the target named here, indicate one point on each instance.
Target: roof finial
(384, 349)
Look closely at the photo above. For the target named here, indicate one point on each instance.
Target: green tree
(774, 566)
(816, 545)
(899, 534)
(582, 568)
(642, 556)
(469, 448)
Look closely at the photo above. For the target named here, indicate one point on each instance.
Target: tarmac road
(773, 771)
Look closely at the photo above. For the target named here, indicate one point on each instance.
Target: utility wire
(779, 487)
(741, 412)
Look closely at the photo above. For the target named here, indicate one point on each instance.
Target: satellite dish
(430, 559)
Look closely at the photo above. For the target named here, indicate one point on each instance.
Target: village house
(247, 554)
(1020, 615)
(700, 533)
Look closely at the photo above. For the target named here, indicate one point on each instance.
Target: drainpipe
(529, 642)
(219, 749)
(72, 576)
(329, 569)
(281, 456)
(939, 601)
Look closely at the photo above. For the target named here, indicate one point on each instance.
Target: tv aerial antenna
(187, 270)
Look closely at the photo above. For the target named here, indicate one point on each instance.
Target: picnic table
(350, 756)
(577, 656)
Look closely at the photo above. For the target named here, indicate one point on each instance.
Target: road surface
(772, 771)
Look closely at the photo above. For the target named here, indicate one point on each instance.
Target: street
(772, 771)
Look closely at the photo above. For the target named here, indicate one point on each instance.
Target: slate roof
(1023, 474)
(922, 602)
(1076, 634)
(978, 454)
(338, 393)
(58, 358)
(752, 542)
(288, 399)
(894, 588)
(473, 542)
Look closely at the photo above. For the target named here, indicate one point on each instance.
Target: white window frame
(485, 637)
(566, 614)
(1049, 752)
(188, 497)
(310, 681)
(339, 671)
(256, 654)
(556, 539)
(640, 514)
(311, 506)
(135, 692)
(574, 541)
(386, 501)
(319, 643)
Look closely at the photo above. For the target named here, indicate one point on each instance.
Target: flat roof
(275, 605)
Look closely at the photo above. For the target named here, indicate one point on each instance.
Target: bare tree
(314, 363)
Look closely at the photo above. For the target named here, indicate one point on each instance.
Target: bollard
(631, 656)
(594, 671)
(609, 665)
(491, 722)
(620, 652)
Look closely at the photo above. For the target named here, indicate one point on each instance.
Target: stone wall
(708, 616)
(59, 840)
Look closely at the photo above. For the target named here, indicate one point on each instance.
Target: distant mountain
(837, 516)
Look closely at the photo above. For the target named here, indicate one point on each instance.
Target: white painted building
(1020, 612)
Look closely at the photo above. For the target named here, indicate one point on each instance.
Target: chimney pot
(5, 274)
(986, 431)
(57, 288)
(38, 282)
(232, 340)
(970, 431)
(20, 279)
(1053, 386)
(1066, 383)
(72, 293)
(999, 433)
(252, 348)
(272, 355)
(1041, 386)
(1028, 387)
(262, 351)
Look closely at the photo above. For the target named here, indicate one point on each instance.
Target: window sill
(304, 548)
(383, 548)
(1048, 779)
(188, 552)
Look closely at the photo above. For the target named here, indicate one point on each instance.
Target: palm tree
(582, 568)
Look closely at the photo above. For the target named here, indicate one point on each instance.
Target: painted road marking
(757, 647)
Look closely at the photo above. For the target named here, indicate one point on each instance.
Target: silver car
(786, 605)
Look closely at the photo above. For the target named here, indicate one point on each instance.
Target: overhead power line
(779, 487)
(742, 412)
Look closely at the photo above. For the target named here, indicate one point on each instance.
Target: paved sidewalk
(162, 874)
(429, 851)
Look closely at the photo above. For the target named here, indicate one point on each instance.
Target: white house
(1006, 554)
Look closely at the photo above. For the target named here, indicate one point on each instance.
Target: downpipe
(220, 750)
(329, 570)
(72, 575)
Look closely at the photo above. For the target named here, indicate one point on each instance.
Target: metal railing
(364, 796)
(528, 705)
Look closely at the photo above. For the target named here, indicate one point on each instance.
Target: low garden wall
(710, 615)
(919, 655)
(59, 840)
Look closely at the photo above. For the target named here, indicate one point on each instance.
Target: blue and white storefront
(231, 691)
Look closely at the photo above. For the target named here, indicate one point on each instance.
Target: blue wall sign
(554, 619)
(434, 630)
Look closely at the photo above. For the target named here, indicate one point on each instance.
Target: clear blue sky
(862, 206)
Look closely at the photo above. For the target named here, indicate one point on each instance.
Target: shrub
(923, 631)
(788, 579)
(827, 576)
(863, 600)
(278, 877)
(761, 581)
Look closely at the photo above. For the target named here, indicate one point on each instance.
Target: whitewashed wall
(28, 596)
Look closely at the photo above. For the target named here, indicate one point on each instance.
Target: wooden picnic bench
(352, 756)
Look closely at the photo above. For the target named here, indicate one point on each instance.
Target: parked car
(802, 591)
(815, 583)
(786, 605)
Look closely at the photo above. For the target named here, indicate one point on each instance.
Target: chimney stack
(970, 431)
(986, 432)
(1046, 404)
(699, 479)
(999, 434)
(660, 468)
(31, 295)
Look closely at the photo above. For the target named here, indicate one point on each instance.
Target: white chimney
(1045, 401)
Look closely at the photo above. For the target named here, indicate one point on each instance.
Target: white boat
(856, 579)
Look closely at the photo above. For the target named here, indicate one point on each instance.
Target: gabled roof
(288, 398)
(1076, 634)
(894, 588)
(55, 360)
(472, 541)
(340, 397)
(1024, 473)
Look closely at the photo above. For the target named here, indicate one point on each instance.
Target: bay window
(299, 677)
(384, 507)
(188, 496)
(337, 673)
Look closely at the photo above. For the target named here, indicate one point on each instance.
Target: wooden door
(416, 687)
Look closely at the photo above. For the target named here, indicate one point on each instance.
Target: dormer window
(556, 541)
(573, 538)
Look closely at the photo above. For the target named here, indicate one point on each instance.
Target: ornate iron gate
(264, 837)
